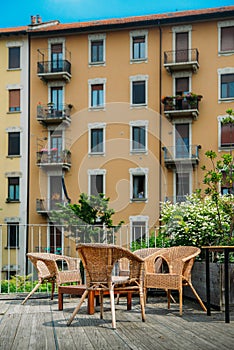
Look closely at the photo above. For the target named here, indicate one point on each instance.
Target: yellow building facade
(126, 107)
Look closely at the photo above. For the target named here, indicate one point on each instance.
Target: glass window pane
(14, 57)
(14, 143)
(138, 93)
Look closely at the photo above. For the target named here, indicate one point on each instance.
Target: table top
(219, 247)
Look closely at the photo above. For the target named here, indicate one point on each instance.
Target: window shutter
(227, 135)
(14, 99)
(227, 38)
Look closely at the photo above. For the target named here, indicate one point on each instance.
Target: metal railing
(54, 67)
(54, 239)
(181, 152)
(178, 56)
(48, 113)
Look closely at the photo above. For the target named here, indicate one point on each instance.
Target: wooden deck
(39, 325)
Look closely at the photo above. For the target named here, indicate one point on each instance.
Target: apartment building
(126, 107)
(14, 90)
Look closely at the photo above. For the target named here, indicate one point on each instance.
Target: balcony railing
(176, 199)
(177, 106)
(53, 157)
(181, 155)
(48, 114)
(50, 70)
(181, 60)
(44, 206)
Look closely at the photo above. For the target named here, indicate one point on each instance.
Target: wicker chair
(98, 261)
(180, 261)
(48, 271)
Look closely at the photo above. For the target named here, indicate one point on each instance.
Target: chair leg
(101, 304)
(168, 298)
(112, 302)
(181, 300)
(78, 307)
(142, 303)
(197, 296)
(31, 293)
(52, 290)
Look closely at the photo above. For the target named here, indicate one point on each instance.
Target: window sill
(13, 69)
(227, 99)
(139, 200)
(11, 247)
(138, 151)
(13, 112)
(97, 108)
(143, 105)
(226, 53)
(97, 64)
(96, 154)
(139, 60)
(14, 156)
(12, 201)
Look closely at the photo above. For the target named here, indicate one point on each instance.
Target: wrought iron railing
(178, 56)
(181, 152)
(49, 113)
(53, 67)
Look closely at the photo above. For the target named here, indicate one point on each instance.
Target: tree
(88, 221)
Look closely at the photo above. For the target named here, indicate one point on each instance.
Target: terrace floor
(39, 325)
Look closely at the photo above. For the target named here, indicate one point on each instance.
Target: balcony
(180, 60)
(56, 69)
(44, 206)
(53, 158)
(181, 155)
(182, 106)
(48, 114)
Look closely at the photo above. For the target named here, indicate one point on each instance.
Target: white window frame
(223, 71)
(134, 79)
(97, 81)
(133, 34)
(15, 44)
(182, 121)
(95, 37)
(139, 218)
(139, 123)
(136, 172)
(92, 126)
(12, 130)
(96, 172)
(56, 84)
(220, 148)
(221, 25)
(56, 41)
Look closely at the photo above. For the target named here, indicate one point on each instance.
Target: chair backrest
(145, 252)
(180, 259)
(99, 259)
(46, 266)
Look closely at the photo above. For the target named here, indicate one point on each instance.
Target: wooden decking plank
(8, 330)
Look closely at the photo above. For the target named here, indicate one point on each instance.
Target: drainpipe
(28, 166)
(160, 116)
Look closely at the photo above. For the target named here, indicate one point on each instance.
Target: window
(139, 227)
(226, 36)
(97, 98)
(97, 43)
(97, 141)
(182, 140)
(182, 186)
(138, 45)
(227, 39)
(14, 57)
(226, 134)
(13, 189)
(138, 136)
(14, 100)
(227, 86)
(227, 187)
(96, 181)
(97, 138)
(13, 143)
(97, 51)
(97, 93)
(13, 235)
(138, 91)
(138, 184)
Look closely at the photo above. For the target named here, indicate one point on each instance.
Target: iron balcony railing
(49, 114)
(176, 199)
(45, 205)
(54, 157)
(181, 59)
(186, 105)
(181, 154)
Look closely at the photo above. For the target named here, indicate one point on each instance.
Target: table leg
(226, 284)
(129, 301)
(60, 301)
(208, 282)
(91, 308)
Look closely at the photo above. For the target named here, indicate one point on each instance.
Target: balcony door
(182, 140)
(182, 186)
(56, 145)
(55, 191)
(56, 95)
(57, 58)
(182, 45)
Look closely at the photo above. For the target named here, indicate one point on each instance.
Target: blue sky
(17, 13)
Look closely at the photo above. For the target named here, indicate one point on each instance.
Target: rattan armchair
(48, 270)
(99, 261)
(180, 261)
